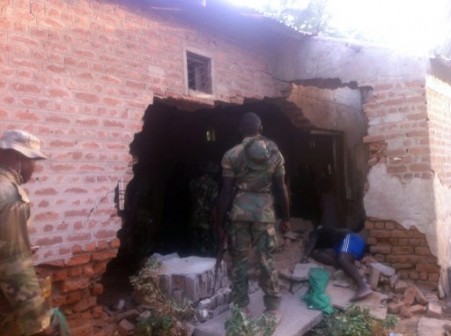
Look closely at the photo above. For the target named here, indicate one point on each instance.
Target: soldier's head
(250, 124)
(19, 151)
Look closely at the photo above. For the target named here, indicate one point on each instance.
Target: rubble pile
(191, 286)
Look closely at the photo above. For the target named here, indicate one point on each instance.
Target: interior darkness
(173, 143)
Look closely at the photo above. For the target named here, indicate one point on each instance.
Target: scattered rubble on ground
(194, 278)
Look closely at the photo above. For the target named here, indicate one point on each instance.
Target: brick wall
(398, 128)
(439, 111)
(79, 75)
(405, 250)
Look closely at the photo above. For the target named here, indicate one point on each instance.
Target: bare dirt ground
(118, 290)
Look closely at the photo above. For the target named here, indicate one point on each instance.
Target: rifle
(222, 246)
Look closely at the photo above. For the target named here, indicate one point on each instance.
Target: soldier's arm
(225, 199)
(19, 283)
(281, 193)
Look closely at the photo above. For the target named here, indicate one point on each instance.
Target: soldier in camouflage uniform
(251, 171)
(22, 307)
(204, 194)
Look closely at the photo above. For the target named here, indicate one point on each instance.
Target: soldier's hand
(285, 226)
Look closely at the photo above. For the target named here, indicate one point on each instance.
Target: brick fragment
(125, 328)
(409, 295)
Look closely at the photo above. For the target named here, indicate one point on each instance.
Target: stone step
(297, 319)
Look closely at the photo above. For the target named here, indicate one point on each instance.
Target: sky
(410, 26)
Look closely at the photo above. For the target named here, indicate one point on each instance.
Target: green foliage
(390, 322)
(309, 16)
(164, 313)
(156, 325)
(354, 321)
(241, 325)
(146, 282)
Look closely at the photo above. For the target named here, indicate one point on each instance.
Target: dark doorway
(173, 143)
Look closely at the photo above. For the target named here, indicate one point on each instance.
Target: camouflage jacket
(22, 306)
(204, 193)
(254, 200)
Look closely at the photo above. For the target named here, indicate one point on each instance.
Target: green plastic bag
(59, 322)
(316, 297)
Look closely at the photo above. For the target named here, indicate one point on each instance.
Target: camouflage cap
(22, 142)
(256, 155)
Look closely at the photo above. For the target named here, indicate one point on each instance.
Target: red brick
(46, 216)
(85, 304)
(389, 225)
(104, 255)
(97, 289)
(97, 311)
(79, 236)
(26, 88)
(79, 259)
(380, 233)
(100, 267)
(429, 268)
(74, 284)
(115, 243)
(48, 241)
(75, 271)
(73, 297)
(402, 250)
(381, 249)
(47, 191)
(422, 250)
(59, 275)
(88, 270)
(87, 97)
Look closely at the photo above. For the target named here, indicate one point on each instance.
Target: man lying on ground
(338, 248)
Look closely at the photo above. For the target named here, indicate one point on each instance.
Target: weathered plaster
(365, 64)
(417, 202)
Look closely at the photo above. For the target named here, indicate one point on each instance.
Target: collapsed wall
(79, 75)
(407, 117)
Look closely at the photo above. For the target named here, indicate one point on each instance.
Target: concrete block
(434, 310)
(393, 280)
(192, 278)
(430, 326)
(384, 269)
(340, 298)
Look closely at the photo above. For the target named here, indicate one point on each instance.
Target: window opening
(199, 73)
(210, 134)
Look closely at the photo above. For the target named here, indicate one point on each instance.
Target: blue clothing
(352, 244)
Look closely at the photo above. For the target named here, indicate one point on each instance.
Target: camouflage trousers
(23, 310)
(262, 238)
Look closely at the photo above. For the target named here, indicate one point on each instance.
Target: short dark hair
(250, 124)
